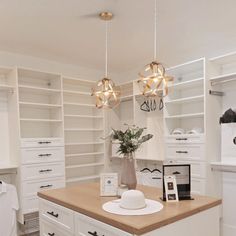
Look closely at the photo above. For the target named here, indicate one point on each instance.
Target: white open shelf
(223, 79)
(83, 130)
(83, 116)
(76, 92)
(224, 59)
(88, 143)
(6, 88)
(43, 105)
(91, 177)
(85, 165)
(85, 154)
(186, 100)
(27, 88)
(40, 120)
(187, 84)
(191, 115)
(78, 104)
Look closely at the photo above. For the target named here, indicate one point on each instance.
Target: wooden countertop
(85, 199)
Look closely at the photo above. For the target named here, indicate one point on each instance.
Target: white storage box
(228, 141)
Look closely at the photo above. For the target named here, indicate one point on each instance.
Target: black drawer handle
(47, 170)
(45, 155)
(234, 140)
(94, 233)
(51, 234)
(181, 139)
(53, 214)
(46, 186)
(182, 152)
(44, 142)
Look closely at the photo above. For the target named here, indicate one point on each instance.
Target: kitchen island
(77, 211)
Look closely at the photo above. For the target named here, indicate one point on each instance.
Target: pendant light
(153, 80)
(106, 94)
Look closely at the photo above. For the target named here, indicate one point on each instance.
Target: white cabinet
(48, 229)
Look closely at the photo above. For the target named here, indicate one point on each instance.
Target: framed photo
(171, 188)
(182, 173)
(108, 184)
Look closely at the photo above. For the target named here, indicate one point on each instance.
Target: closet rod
(223, 170)
(8, 173)
(216, 93)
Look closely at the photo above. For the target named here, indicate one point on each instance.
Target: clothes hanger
(146, 169)
(161, 104)
(145, 106)
(156, 170)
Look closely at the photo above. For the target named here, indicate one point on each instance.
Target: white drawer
(198, 186)
(32, 187)
(192, 152)
(185, 139)
(42, 155)
(42, 142)
(86, 226)
(198, 169)
(30, 204)
(48, 229)
(57, 215)
(42, 171)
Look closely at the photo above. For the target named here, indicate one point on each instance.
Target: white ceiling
(62, 30)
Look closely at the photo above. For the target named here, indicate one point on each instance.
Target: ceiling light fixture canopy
(153, 80)
(106, 94)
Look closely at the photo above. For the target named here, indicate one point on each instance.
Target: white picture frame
(171, 188)
(108, 184)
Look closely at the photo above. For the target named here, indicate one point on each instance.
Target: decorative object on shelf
(151, 105)
(228, 117)
(154, 81)
(129, 141)
(107, 95)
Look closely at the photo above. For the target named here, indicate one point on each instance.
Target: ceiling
(67, 31)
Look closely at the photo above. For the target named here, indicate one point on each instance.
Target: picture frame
(171, 188)
(108, 184)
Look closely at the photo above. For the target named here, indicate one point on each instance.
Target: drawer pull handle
(51, 234)
(45, 155)
(44, 142)
(94, 233)
(234, 140)
(53, 214)
(46, 186)
(43, 171)
(181, 139)
(182, 152)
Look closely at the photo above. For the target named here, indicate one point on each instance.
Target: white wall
(13, 59)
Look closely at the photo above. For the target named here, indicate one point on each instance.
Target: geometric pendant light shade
(106, 94)
(153, 80)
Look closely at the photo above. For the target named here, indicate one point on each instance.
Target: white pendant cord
(155, 31)
(106, 53)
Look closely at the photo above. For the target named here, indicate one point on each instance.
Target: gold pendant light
(106, 94)
(153, 80)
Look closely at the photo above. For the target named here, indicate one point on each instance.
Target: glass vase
(128, 173)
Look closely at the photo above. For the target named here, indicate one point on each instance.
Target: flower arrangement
(131, 139)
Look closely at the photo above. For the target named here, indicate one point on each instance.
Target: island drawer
(49, 229)
(42, 155)
(42, 171)
(55, 214)
(86, 226)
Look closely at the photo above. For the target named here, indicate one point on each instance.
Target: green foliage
(131, 139)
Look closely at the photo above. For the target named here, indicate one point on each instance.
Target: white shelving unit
(84, 127)
(41, 135)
